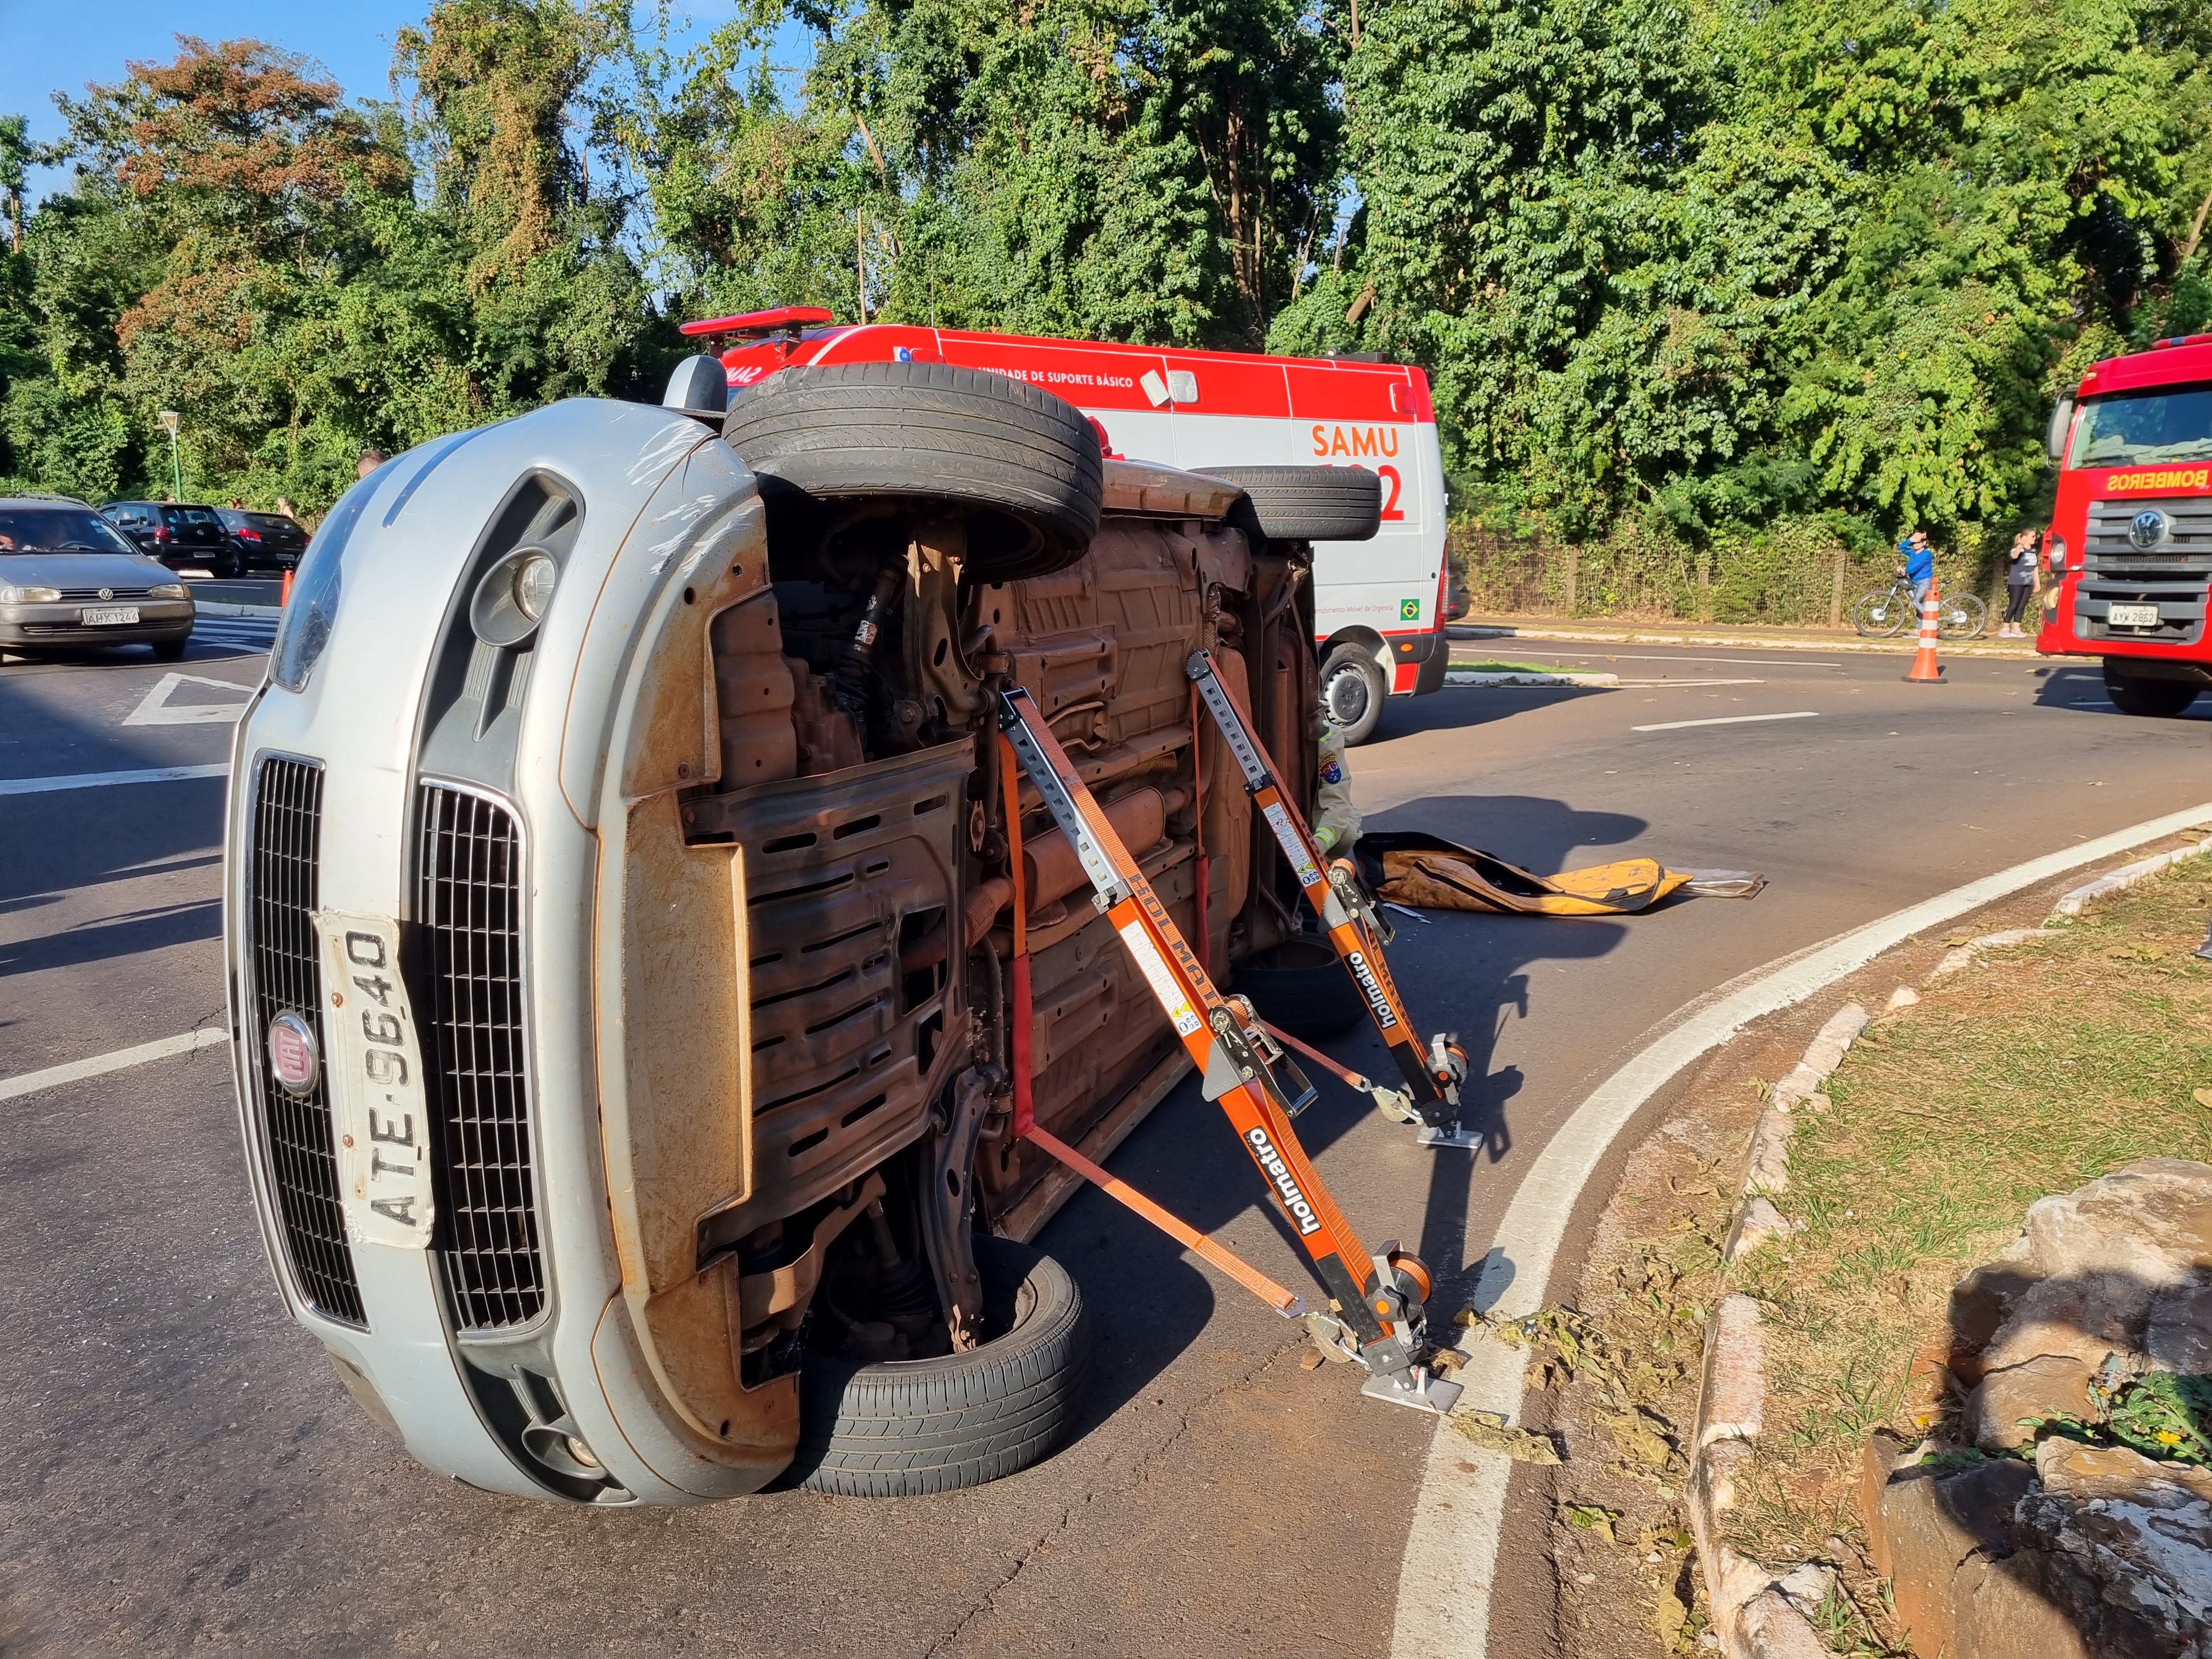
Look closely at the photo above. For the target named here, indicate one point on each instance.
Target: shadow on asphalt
(1461, 971)
(2081, 687)
(55, 842)
(124, 935)
(1458, 708)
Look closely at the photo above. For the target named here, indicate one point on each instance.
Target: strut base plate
(1434, 1395)
(1458, 1135)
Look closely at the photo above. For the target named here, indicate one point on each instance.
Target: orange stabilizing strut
(1376, 1301)
(1356, 932)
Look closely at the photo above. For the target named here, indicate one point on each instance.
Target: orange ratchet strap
(1375, 1304)
(1356, 932)
(1203, 872)
(1010, 780)
(1173, 1225)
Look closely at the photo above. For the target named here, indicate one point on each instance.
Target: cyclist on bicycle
(1918, 564)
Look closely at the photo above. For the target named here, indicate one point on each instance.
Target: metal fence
(1788, 574)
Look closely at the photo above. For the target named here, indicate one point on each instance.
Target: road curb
(225, 608)
(2124, 877)
(1451, 1559)
(1759, 1613)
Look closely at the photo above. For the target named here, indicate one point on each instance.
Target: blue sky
(47, 45)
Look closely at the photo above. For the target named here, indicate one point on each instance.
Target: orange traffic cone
(1926, 671)
(285, 598)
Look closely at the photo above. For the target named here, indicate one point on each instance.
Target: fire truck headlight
(2054, 554)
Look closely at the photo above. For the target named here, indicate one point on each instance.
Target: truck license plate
(380, 1114)
(2135, 615)
(97, 616)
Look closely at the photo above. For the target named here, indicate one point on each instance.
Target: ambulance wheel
(1021, 465)
(2134, 695)
(1351, 692)
(1309, 503)
(900, 1428)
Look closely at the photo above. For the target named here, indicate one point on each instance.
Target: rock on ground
(2092, 1552)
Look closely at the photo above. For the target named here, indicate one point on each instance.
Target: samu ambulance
(1378, 605)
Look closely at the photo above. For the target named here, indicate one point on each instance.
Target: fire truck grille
(2183, 545)
(469, 902)
(281, 903)
(2129, 559)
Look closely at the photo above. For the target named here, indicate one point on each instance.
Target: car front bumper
(330, 813)
(63, 624)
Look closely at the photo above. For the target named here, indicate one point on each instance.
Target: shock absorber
(860, 649)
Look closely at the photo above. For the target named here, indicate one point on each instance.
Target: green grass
(1487, 667)
(2050, 1064)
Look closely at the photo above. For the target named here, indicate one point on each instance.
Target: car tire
(2157, 699)
(902, 1428)
(1300, 987)
(170, 650)
(1022, 465)
(1309, 503)
(1353, 691)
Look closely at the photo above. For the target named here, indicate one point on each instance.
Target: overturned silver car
(618, 904)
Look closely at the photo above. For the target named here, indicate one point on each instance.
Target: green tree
(1133, 170)
(1709, 267)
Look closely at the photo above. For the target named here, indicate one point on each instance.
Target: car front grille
(281, 903)
(468, 906)
(93, 596)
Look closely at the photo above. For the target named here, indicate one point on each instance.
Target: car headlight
(11, 594)
(168, 591)
(314, 607)
(2054, 554)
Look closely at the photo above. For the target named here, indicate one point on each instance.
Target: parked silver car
(67, 577)
(617, 916)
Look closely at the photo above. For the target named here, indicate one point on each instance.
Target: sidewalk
(1605, 630)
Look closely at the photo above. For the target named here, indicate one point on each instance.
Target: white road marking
(102, 779)
(1728, 719)
(1451, 1555)
(53, 1077)
(1647, 685)
(1731, 662)
(155, 710)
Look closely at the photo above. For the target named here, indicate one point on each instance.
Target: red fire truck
(2129, 553)
(1378, 605)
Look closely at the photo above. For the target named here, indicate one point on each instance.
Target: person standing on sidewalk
(1919, 564)
(2019, 583)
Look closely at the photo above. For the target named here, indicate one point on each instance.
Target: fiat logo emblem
(2149, 529)
(293, 1059)
(107, 593)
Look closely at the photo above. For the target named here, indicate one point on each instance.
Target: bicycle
(1887, 611)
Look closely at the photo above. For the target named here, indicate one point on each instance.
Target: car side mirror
(2054, 441)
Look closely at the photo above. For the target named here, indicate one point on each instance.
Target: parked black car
(264, 540)
(178, 533)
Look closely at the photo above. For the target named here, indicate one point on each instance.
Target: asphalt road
(190, 1475)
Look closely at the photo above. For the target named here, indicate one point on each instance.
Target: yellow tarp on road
(1428, 871)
